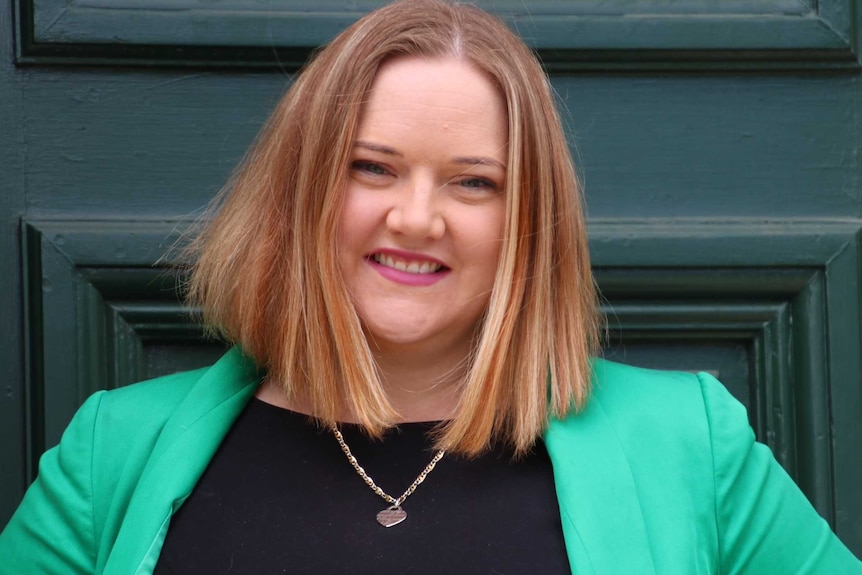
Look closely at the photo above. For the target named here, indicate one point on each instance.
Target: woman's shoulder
(116, 438)
(628, 390)
(151, 402)
(124, 424)
(141, 426)
(153, 399)
(154, 396)
(647, 411)
(665, 401)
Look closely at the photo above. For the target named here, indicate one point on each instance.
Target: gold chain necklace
(392, 515)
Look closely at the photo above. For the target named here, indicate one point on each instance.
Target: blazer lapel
(185, 447)
(602, 519)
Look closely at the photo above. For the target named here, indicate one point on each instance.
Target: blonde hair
(266, 273)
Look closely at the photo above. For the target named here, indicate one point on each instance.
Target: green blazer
(659, 475)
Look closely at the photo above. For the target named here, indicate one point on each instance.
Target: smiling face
(422, 222)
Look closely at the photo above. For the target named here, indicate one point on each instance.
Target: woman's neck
(420, 386)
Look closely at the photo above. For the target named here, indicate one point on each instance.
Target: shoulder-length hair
(266, 274)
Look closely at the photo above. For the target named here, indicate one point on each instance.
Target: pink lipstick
(407, 268)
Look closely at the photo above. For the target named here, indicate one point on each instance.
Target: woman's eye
(478, 183)
(372, 168)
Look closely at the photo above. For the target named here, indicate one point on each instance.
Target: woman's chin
(416, 338)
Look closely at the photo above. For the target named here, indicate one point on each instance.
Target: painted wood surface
(724, 198)
(568, 34)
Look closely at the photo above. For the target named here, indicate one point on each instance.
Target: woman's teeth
(404, 266)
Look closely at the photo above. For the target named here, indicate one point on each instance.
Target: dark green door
(718, 142)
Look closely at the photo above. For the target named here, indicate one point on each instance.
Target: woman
(402, 261)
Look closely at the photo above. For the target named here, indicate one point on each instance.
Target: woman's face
(422, 223)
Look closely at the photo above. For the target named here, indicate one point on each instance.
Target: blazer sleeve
(765, 523)
(52, 531)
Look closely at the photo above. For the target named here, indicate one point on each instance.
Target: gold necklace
(392, 515)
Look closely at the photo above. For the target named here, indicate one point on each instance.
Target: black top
(279, 496)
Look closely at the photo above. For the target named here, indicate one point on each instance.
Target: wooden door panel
(578, 34)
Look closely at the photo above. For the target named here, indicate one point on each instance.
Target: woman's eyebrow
(478, 160)
(376, 148)
(468, 160)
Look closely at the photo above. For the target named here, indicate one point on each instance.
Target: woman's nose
(416, 212)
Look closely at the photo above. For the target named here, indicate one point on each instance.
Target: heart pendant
(391, 516)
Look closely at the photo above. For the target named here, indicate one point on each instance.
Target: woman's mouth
(409, 266)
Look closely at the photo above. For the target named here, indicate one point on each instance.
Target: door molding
(569, 36)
